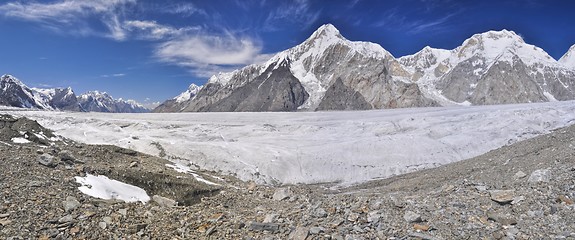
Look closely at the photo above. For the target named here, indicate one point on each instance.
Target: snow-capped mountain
(495, 67)
(95, 101)
(329, 72)
(325, 72)
(61, 98)
(16, 94)
(175, 104)
(568, 59)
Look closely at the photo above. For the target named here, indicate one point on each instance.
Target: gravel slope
(455, 201)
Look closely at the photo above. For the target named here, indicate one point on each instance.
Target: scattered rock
(107, 220)
(270, 218)
(4, 215)
(271, 227)
(252, 186)
(481, 188)
(423, 236)
(66, 156)
(540, 175)
(316, 230)
(123, 211)
(71, 203)
(565, 200)
(102, 225)
(412, 217)
(502, 196)
(66, 219)
(373, 217)
(520, 174)
(501, 218)
(47, 160)
(35, 184)
(517, 200)
(320, 213)
(133, 164)
(5, 222)
(282, 194)
(421, 227)
(137, 227)
(300, 233)
(164, 202)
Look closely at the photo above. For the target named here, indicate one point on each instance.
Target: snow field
(313, 147)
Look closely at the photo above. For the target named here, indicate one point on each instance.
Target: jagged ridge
(494, 67)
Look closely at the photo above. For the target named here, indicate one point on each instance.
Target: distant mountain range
(16, 94)
(329, 72)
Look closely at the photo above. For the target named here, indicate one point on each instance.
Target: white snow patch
(185, 169)
(550, 97)
(20, 140)
(105, 188)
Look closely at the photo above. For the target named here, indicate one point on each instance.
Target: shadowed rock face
(341, 97)
(274, 90)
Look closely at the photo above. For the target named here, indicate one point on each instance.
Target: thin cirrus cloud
(207, 55)
(295, 11)
(71, 16)
(151, 30)
(113, 75)
(203, 53)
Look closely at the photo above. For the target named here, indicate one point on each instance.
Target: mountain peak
(326, 30)
(193, 89)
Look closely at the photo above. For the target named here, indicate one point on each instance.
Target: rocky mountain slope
(329, 72)
(521, 191)
(14, 93)
(175, 104)
(95, 101)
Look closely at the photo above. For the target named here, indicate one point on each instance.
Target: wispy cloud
(294, 11)
(71, 16)
(206, 55)
(184, 10)
(115, 75)
(397, 20)
(151, 30)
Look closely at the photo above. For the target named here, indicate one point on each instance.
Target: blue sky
(151, 50)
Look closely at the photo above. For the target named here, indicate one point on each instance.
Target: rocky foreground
(522, 191)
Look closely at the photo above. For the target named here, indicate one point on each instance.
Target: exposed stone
(300, 233)
(502, 196)
(164, 201)
(316, 230)
(421, 227)
(66, 219)
(47, 160)
(282, 194)
(412, 217)
(320, 213)
(271, 227)
(71, 203)
(503, 219)
(565, 200)
(270, 218)
(540, 175)
(520, 174)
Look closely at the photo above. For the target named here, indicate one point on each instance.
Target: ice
(312, 147)
(105, 188)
